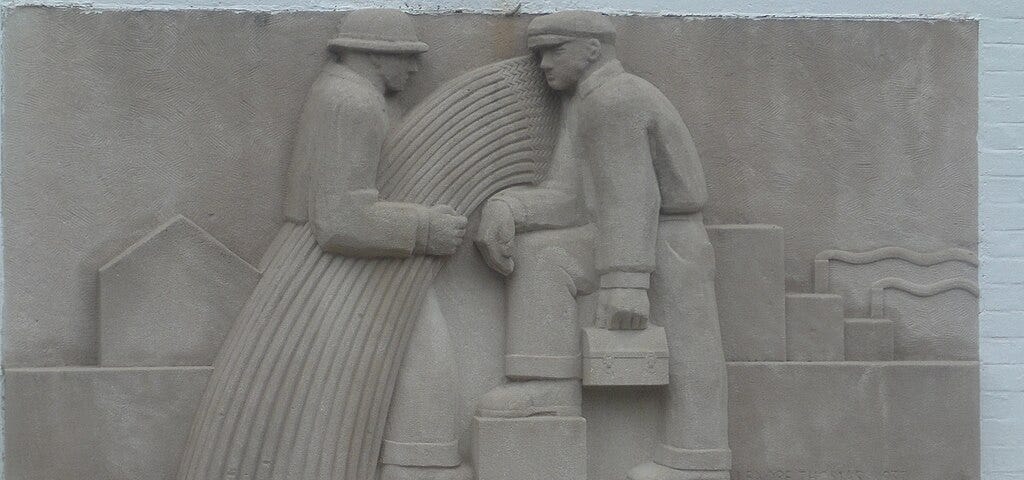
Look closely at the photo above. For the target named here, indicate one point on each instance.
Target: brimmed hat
(560, 27)
(377, 30)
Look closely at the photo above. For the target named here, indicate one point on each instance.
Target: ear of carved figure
(396, 69)
(565, 64)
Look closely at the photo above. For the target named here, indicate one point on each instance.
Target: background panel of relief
(849, 134)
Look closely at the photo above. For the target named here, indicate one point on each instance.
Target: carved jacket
(623, 156)
(332, 183)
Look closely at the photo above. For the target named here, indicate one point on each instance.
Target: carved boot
(654, 471)
(561, 397)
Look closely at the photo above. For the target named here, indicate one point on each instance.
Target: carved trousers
(555, 267)
(421, 424)
(682, 297)
(552, 268)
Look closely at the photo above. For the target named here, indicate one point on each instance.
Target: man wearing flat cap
(619, 212)
(264, 415)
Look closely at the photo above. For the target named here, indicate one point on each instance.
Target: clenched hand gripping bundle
(302, 386)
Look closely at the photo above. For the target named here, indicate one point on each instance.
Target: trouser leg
(543, 330)
(531, 428)
(682, 293)
(542, 335)
(421, 424)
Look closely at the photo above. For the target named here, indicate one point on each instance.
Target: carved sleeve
(680, 174)
(541, 207)
(346, 213)
(555, 201)
(616, 144)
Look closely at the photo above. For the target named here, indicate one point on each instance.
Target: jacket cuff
(519, 213)
(422, 231)
(626, 280)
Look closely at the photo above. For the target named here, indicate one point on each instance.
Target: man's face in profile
(563, 64)
(396, 69)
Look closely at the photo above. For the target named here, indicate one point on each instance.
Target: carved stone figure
(147, 339)
(287, 398)
(619, 212)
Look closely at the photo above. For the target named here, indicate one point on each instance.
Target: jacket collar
(339, 70)
(599, 77)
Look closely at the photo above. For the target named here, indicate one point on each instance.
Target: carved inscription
(804, 473)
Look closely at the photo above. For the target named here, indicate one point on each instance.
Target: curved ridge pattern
(916, 289)
(923, 259)
(302, 385)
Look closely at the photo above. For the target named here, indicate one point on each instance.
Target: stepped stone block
(531, 448)
(750, 289)
(814, 327)
(170, 298)
(868, 339)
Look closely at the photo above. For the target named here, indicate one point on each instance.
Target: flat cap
(558, 28)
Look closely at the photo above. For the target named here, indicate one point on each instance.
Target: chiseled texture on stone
(789, 150)
(531, 448)
(915, 420)
(750, 283)
(868, 339)
(938, 327)
(170, 298)
(814, 327)
(98, 423)
(783, 417)
(625, 357)
(159, 122)
(853, 281)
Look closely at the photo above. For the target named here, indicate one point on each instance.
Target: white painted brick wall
(1001, 230)
(1000, 160)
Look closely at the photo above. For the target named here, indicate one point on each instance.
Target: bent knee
(557, 263)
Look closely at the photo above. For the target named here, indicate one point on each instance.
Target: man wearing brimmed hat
(376, 52)
(268, 412)
(620, 212)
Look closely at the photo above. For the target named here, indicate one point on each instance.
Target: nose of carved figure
(545, 62)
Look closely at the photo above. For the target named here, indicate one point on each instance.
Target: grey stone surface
(851, 274)
(625, 357)
(916, 419)
(98, 423)
(750, 283)
(377, 197)
(617, 210)
(371, 212)
(930, 322)
(170, 298)
(868, 339)
(532, 448)
(159, 123)
(814, 327)
(871, 420)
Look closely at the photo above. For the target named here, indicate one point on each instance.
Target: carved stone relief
(497, 248)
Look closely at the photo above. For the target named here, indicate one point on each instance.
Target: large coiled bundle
(302, 386)
(479, 133)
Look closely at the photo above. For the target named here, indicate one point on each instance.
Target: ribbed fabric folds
(302, 385)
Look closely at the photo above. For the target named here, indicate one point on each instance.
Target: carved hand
(495, 236)
(622, 308)
(447, 228)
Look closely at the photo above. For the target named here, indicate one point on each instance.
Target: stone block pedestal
(814, 327)
(869, 339)
(531, 448)
(751, 287)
